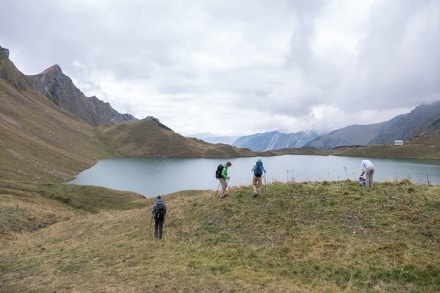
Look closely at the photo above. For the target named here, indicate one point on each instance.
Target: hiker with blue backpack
(257, 181)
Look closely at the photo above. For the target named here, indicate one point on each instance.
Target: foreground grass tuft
(298, 237)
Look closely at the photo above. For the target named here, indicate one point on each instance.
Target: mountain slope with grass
(39, 141)
(150, 138)
(297, 237)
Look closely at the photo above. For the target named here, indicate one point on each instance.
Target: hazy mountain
(423, 117)
(406, 126)
(208, 137)
(275, 140)
(59, 88)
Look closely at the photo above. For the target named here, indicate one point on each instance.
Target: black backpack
(218, 172)
(160, 210)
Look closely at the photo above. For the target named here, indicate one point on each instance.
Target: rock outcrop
(4, 52)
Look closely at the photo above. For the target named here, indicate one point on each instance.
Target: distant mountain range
(424, 118)
(208, 137)
(275, 140)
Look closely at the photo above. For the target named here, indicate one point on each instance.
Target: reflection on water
(154, 176)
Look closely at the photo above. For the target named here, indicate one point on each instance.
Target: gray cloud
(254, 65)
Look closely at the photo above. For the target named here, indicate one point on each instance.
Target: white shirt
(365, 164)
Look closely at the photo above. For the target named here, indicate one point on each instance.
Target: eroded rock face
(4, 52)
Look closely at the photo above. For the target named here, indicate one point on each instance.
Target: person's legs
(160, 226)
(369, 177)
(254, 185)
(224, 185)
(156, 227)
(259, 184)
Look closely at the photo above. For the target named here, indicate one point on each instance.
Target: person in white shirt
(367, 168)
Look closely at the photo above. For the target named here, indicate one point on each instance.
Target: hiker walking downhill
(158, 212)
(367, 168)
(257, 181)
(224, 179)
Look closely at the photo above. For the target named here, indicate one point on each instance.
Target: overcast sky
(236, 67)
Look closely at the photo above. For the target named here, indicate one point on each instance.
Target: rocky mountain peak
(61, 90)
(4, 53)
(53, 70)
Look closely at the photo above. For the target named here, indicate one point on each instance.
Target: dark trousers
(158, 227)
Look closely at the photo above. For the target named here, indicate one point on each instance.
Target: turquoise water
(158, 176)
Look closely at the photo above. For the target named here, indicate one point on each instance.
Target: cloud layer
(237, 67)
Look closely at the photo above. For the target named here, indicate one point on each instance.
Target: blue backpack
(258, 170)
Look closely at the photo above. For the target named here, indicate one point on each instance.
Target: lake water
(158, 176)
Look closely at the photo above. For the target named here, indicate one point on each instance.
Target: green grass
(298, 237)
(28, 207)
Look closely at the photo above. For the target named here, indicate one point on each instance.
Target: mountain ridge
(59, 89)
(401, 127)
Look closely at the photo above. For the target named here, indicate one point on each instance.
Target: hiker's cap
(259, 160)
(228, 164)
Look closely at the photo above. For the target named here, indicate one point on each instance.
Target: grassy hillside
(39, 141)
(26, 207)
(306, 237)
(426, 147)
(149, 138)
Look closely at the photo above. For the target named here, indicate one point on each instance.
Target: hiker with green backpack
(257, 181)
(222, 175)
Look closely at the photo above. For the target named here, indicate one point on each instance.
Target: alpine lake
(159, 176)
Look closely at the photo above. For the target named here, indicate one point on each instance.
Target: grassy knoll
(298, 237)
(28, 207)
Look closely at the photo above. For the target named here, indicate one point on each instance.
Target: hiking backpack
(160, 210)
(218, 172)
(258, 170)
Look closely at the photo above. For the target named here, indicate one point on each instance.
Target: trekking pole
(264, 177)
(218, 187)
(164, 228)
(149, 229)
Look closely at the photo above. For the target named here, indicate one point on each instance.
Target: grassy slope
(149, 139)
(39, 141)
(29, 207)
(299, 237)
(424, 147)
